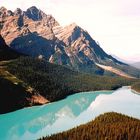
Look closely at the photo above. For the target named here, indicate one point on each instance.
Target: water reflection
(35, 122)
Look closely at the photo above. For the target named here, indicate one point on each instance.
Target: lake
(35, 122)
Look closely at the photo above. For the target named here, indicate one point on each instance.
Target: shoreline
(134, 91)
(88, 92)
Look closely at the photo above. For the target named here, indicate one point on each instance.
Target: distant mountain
(37, 34)
(120, 59)
(137, 65)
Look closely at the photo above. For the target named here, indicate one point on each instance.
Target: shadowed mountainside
(7, 53)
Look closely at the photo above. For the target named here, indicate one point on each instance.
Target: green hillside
(56, 82)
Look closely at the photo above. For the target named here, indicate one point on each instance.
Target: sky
(115, 24)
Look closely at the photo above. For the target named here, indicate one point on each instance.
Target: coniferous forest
(109, 126)
(56, 82)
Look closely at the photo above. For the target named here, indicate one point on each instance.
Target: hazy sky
(115, 24)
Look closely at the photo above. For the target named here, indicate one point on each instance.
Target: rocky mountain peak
(34, 13)
(3, 9)
(4, 12)
(37, 34)
(73, 25)
(69, 34)
(33, 9)
(18, 11)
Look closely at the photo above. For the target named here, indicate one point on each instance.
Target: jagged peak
(72, 26)
(34, 13)
(33, 8)
(18, 11)
(4, 12)
(2, 8)
(9, 13)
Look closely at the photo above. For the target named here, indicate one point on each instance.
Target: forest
(109, 126)
(55, 82)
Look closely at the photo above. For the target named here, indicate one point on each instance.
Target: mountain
(37, 34)
(137, 65)
(20, 78)
(110, 126)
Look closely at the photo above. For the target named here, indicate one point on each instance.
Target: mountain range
(34, 33)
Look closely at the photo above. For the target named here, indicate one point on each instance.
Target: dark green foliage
(55, 82)
(110, 126)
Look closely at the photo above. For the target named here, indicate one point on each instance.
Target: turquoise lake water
(35, 122)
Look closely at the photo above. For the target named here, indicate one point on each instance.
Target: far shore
(135, 91)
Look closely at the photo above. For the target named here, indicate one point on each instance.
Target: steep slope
(57, 81)
(80, 43)
(114, 70)
(82, 50)
(85, 53)
(109, 126)
(14, 93)
(39, 35)
(5, 52)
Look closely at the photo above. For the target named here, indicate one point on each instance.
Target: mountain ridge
(37, 34)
